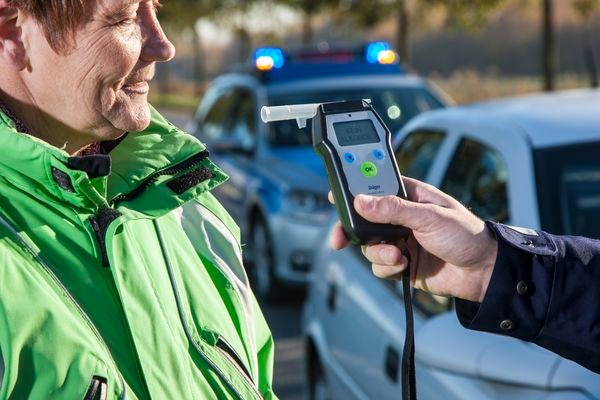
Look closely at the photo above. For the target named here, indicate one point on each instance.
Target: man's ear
(12, 49)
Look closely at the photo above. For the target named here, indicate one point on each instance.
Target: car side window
(243, 119)
(477, 177)
(214, 124)
(416, 153)
(431, 304)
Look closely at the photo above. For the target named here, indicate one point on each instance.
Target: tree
(233, 13)
(549, 59)
(309, 9)
(367, 13)
(465, 14)
(461, 14)
(403, 31)
(178, 16)
(584, 9)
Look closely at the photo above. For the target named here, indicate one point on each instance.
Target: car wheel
(262, 275)
(318, 388)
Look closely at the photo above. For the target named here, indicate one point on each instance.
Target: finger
(330, 197)
(389, 271)
(383, 254)
(424, 193)
(394, 210)
(338, 239)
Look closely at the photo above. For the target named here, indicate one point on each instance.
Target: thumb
(393, 210)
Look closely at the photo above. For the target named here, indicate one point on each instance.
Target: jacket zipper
(146, 183)
(84, 315)
(101, 220)
(181, 313)
(100, 223)
(98, 389)
(228, 351)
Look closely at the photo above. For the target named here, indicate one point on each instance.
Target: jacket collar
(161, 166)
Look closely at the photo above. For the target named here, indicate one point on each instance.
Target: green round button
(368, 169)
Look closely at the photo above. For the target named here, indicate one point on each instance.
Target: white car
(530, 161)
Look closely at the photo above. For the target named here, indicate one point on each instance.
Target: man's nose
(156, 46)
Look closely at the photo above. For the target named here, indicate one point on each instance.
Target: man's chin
(134, 119)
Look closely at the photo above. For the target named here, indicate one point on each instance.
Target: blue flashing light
(267, 58)
(373, 50)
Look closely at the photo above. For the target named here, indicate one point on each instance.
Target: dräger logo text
(374, 187)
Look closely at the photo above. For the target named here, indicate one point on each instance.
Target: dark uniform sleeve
(544, 289)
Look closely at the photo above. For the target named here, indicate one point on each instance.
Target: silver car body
(354, 323)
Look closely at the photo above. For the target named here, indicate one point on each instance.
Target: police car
(531, 162)
(277, 187)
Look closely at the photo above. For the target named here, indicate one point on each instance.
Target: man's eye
(126, 22)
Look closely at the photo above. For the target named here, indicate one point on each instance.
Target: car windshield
(395, 106)
(569, 189)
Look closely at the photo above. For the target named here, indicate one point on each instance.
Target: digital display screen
(351, 133)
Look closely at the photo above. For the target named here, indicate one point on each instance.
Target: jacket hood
(154, 171)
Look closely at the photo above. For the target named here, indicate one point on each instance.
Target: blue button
(349, 157)
(378, 154)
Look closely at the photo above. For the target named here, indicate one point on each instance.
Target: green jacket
(126, 286)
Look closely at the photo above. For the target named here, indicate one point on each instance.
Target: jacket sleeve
(265, 354)
(544, 289)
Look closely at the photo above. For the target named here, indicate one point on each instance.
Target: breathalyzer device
(356, 148)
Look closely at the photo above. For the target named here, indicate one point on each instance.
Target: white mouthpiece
(299, 112)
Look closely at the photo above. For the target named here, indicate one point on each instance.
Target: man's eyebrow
(120, 10)
(117, 12)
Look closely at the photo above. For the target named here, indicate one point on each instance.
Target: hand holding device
(357, 151)
(454, 252)
(355, 146)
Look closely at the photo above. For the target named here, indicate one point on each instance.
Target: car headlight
(306, 203)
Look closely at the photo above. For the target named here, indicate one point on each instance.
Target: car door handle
(392, 364)
(332, 295)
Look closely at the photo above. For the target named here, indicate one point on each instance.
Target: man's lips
(140, 87)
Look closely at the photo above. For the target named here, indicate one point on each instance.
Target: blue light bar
(373, 50)
(265, 56)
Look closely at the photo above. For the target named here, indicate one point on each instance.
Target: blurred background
(447, 52)
(473, 49)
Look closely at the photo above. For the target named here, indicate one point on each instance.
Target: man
(103, 295)
(513, 281)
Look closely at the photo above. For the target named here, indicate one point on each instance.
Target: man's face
(99, 87)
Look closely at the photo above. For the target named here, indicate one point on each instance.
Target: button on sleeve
(509, 306)
(524, 288)
(544, 289)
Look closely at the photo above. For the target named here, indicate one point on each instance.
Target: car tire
(262, 276)
(318, 389)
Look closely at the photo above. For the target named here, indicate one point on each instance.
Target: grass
(470, 86)
(174, 101)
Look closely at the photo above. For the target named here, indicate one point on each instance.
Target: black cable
(409, 387)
